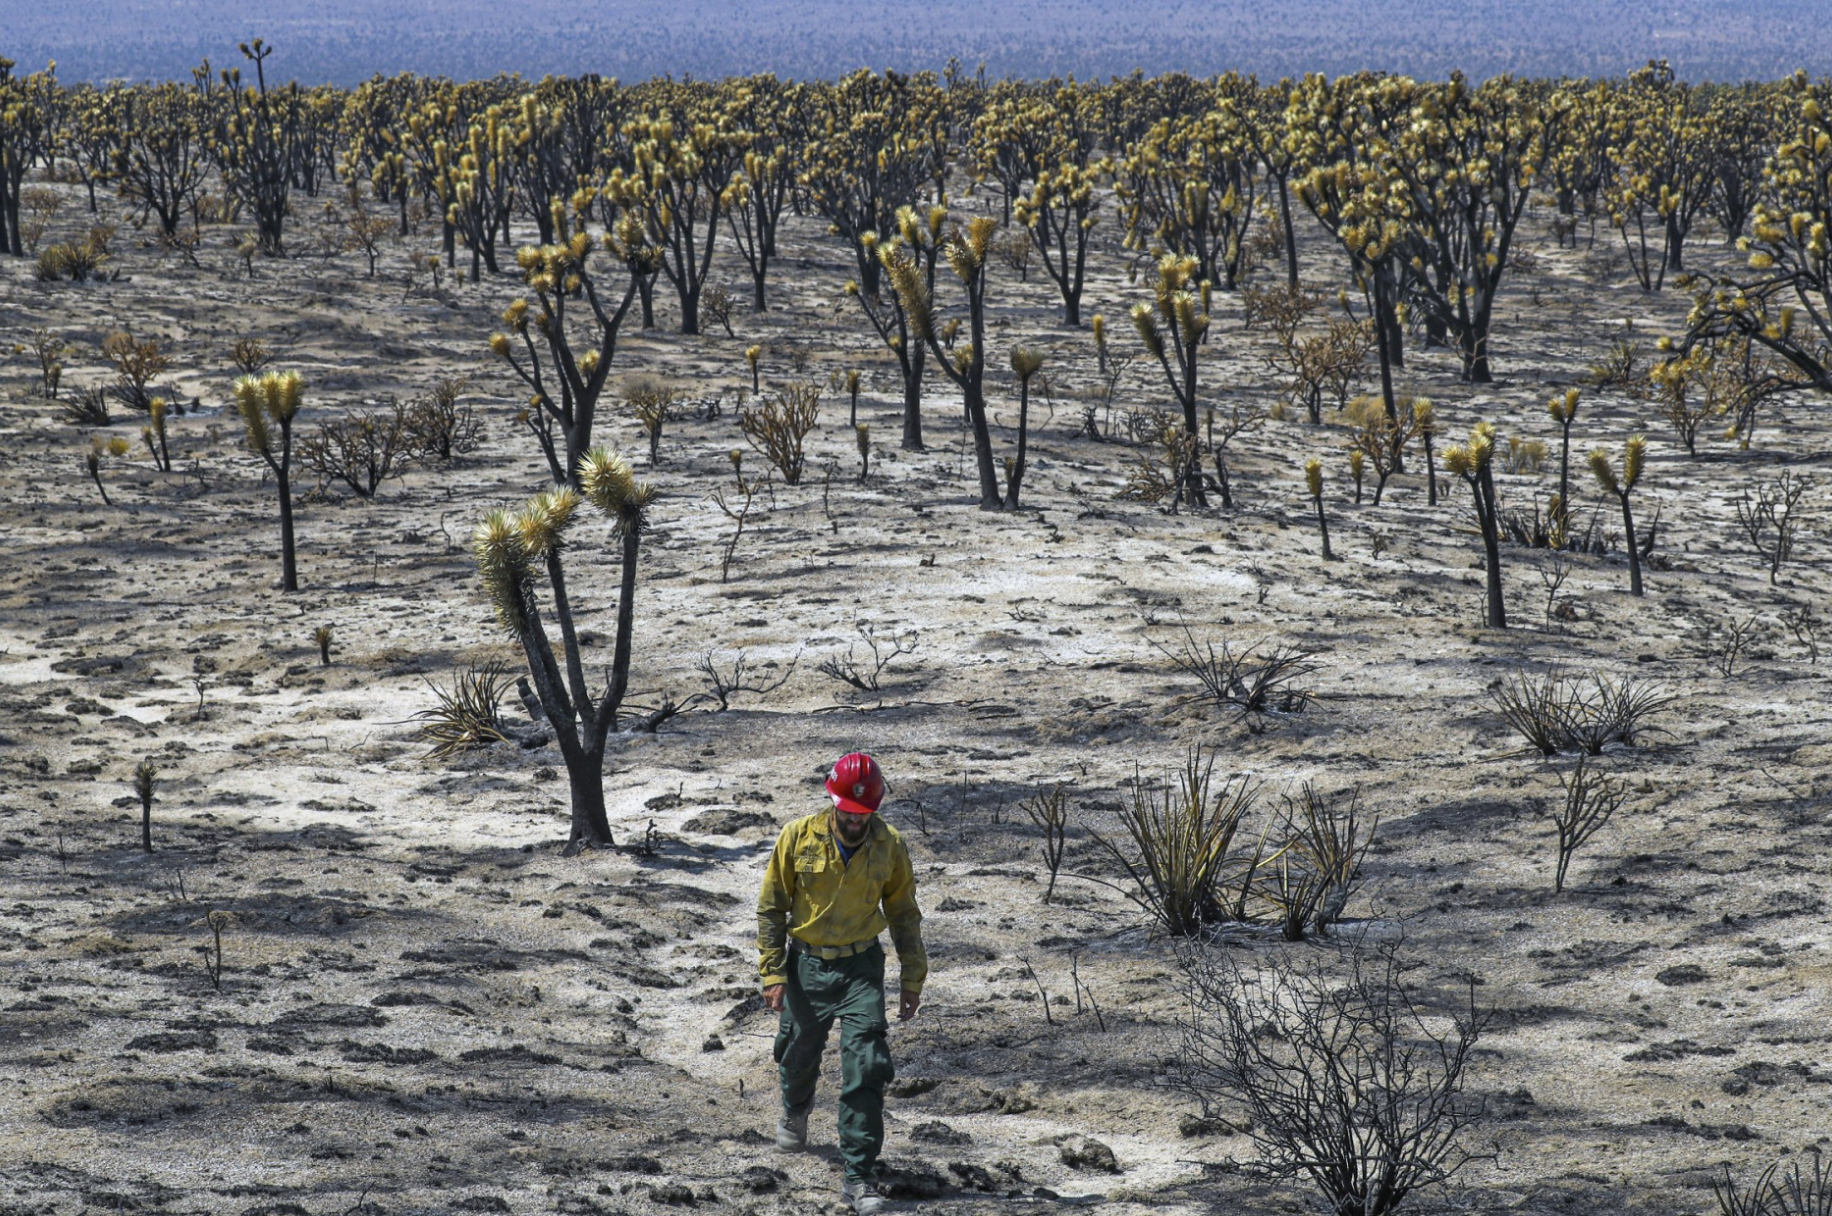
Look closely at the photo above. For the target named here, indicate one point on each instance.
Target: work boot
(862, 1196)
(792, 1129)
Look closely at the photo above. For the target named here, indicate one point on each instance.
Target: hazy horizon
(343, 42)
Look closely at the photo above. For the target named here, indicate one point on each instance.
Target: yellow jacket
(810, 892)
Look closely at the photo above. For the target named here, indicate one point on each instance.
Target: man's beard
(851, 837)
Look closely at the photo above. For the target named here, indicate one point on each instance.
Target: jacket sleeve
(773, 904)
(905, 920)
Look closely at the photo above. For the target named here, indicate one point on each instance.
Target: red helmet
(855, 785)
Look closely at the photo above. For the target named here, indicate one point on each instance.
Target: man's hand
(912, 1001)
(772, 998)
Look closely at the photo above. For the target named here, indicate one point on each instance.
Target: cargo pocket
(876, 1068)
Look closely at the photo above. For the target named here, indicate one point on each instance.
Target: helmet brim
(846, 803)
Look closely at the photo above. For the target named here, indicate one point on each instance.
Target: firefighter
(836, 880)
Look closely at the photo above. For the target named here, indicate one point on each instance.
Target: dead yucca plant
(1555, 528)
(1606, 712)
(1322, 368)
(1558, 713)
(41, 204)
(144, 773)
(1251, 682)
(89, 408)
(1313, 482)
(1473, 462)
(1320, 865)
(1534, 708)
(1187, 873)
(466, 715)
(779, 422)
(514, 549)
(1618, 710)
(1799, 1192)
(270, 403)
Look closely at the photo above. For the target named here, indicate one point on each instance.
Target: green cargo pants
(852, 990)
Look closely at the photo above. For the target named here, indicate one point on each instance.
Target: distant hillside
(344, 41)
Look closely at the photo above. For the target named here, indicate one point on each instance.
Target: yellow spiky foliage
(154, 434)
(1564, 407)
(1025, 361)
(1182, 312)
(542, 522)
(273, 397)
(1601, 470)
(1313, 481)
(1190, 182)
(1779, 302)
(1469, 459)
(1472, 462)
(611, 486)
(504, 564)
(1433, 173)
(1634, 459)
(912, 291)
(960, 254)
(1146, 323)
(1191, 322)
(967, 251)
(1171, 326)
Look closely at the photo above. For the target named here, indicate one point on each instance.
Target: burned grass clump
(1254, 683)
(1557, 713)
